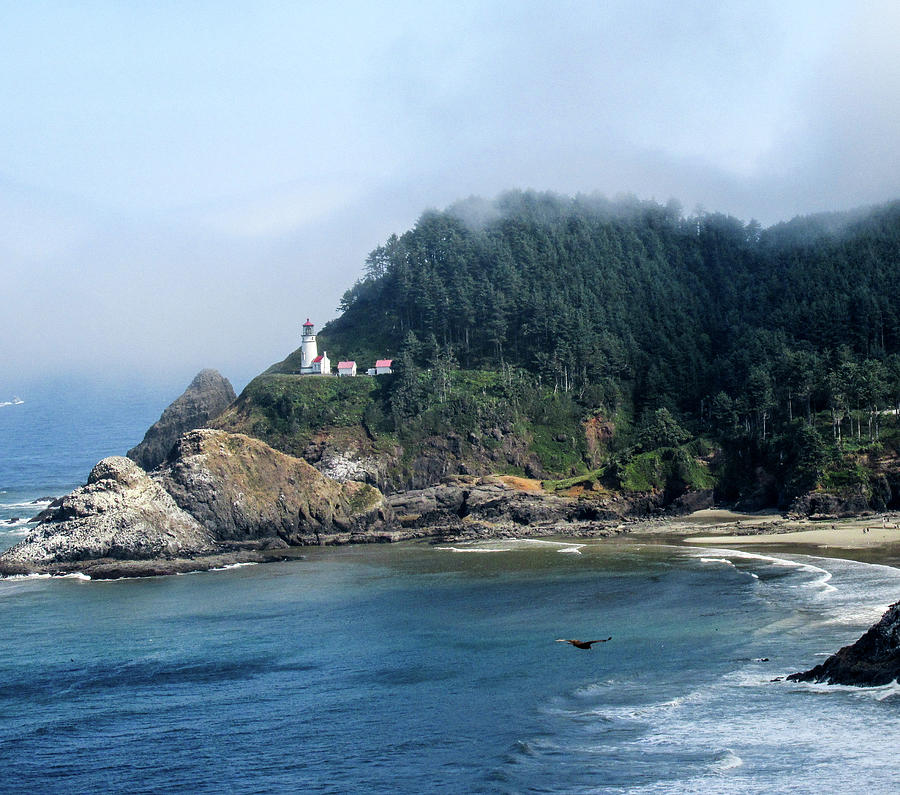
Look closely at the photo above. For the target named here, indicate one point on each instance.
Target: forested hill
(632, 303)
(624, 345)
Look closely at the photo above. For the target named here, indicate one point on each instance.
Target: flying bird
(583, 644)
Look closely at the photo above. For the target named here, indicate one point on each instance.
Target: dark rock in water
(109, 569)
(873, 660)
(207, 396)
(49, 511)
(121, 514)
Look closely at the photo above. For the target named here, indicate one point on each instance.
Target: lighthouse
(311, 362)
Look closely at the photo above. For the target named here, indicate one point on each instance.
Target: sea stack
(873, 660)
(207, 396)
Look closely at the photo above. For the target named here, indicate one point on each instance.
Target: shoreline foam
(868, 539)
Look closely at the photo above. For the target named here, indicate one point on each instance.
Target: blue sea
(417, 668)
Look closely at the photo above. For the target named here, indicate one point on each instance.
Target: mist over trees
(740, 333)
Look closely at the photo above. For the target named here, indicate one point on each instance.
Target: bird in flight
(583, 644)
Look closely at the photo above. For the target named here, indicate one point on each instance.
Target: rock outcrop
(472, 507)
(241, 489)
(220, 498)
(343, 455)
(121, 514)
(822, 505)
(207, 396)
(504, 504)
(873, 660)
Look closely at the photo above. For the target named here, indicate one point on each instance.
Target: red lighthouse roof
(307, 323)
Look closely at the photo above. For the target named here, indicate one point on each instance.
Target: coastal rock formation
(468, 506)
(220, 498)
(342, 454)
(207, 396)
(343, 467)
(873, 660)
(477, 498)
(822, 505)
(121, 514)
(241, 489)
(504, 505)
(340, 427)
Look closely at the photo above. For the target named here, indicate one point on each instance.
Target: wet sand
(855, 535)
(868, 538)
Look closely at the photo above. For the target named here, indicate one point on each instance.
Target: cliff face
(120, 514)
(207, 396)
(426, 462)
(346, 428)
(221, 498)
(241, 489)
(873, 660)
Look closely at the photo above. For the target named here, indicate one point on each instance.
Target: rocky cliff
(468, 506)
(823, 505)
(348, 427)
(207, 396)
(120, 514)
(220, 498)
(241, 489)
(873, 660)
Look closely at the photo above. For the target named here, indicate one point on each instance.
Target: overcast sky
(183, 183)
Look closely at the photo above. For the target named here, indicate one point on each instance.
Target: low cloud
(194, 211)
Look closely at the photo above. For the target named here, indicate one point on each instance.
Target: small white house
(321, 365)
(370, 371)
(347, 368)
(383, 366)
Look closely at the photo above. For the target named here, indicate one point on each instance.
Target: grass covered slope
(289, 411)
(411, 429)
(477, 421)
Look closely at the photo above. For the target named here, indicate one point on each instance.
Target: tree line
(738, 331)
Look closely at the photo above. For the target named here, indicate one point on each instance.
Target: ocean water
(417, 668)
(50, 441)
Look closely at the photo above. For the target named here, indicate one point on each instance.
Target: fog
(180, 187)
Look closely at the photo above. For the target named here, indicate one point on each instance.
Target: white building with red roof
(311, 361)
(383, 366)
(346, 368)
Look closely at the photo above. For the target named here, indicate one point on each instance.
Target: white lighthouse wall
(308, 351)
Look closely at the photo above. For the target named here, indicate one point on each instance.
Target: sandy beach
(868, 538)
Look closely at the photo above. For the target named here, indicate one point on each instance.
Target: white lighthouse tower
(311, 362)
